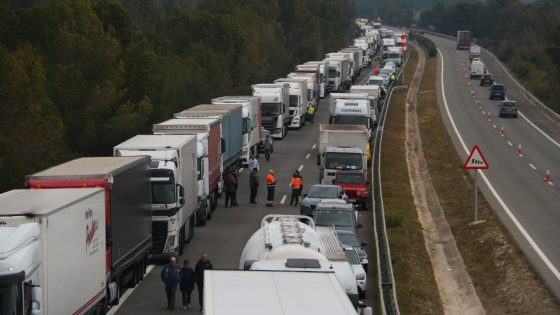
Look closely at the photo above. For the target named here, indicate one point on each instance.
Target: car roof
(334, 206)
(324, 185)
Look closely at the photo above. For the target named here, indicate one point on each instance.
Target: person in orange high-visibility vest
(297, 186)
(270, 186)
(376, 70)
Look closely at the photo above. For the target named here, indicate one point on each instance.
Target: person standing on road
(310, 113)
(235, 174)
(270, 186)
(229, 188)
(267, 147)
(187, 284)
(202, 264)
(253, 163)
(171, 276)
(296, 184)
(253, 185)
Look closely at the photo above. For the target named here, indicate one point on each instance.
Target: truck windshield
(270, 109)
(332, 73)
(11, 294)
(351, 120)
(343, 161)
(293, 100)
(349, 178)
(334, 217)
(163, 187)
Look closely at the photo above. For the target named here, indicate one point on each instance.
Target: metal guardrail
(386, 279)
(534, 101)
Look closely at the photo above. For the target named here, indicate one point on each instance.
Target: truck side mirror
(359, 225)
(318, 159)
(223, 145)
(181, 190)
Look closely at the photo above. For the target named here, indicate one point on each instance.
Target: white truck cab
(298, 100)
(274, 107)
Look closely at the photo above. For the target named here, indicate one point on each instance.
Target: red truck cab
(355, 186)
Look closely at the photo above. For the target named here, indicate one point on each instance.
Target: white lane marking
(128, 292)
(241, 170)
(307, 156)
(483, 112)
(300, 168)
(283, 199)
(532, 166)
(494, 126)
(314, 146)
(539, 130)
(507, 210)
(509, 142)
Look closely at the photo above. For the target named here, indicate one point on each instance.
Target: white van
(477, 68)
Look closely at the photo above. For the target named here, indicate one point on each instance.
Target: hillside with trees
(79, 76)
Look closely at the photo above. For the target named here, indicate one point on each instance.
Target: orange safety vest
(296, 182)
(270, 180)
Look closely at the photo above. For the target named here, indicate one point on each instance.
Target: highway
(224, 237)
(514, 185)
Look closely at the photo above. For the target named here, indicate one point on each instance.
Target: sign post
(476, 161)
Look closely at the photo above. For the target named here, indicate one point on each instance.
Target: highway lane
(225, 235)
(529, 207)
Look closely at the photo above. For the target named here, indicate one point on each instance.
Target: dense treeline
(78, 76)
(395, 12)
(524, 36)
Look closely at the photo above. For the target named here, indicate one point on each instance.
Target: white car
(391, 65)
(359, 272)
(386, 72)
(378, 80)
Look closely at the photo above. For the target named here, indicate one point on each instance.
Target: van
(477, 68)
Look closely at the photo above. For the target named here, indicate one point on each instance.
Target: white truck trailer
(275, 293)
(323, 67)
(298, 100)
(284, 243)
(52, 251)
(252, 122)
(173, 171)
(342, 148)
(374, 94)
(351, 109)
(347, 71)
(312, 82)
(274, 107)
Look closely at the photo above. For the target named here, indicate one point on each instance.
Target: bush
(427, 43)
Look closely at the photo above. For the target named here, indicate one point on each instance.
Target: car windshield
(332, 73)
(163, 186)
(386, 71)
(349, 239)
(508, 104)
(393, 56)
(376, 82)
(270, 108)
(343, 161)
(350, 178)
(498, 87)
(352, 257)
(323, 192)
(334, 217)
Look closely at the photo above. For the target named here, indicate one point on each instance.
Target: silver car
(318, 193)
(508, 109)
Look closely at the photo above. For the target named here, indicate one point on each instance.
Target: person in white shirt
(253, 163)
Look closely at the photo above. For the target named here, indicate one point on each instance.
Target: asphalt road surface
(224, 237)
(514, 185)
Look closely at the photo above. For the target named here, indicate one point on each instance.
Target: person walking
(270, 186)
(229, 188)
(296, 184)
(235, 174)
(267, 147)
(187, 284)
(253, 185)
(253, 163)
(393, 77)
(171, 276)
(310, 113)
(202, 264)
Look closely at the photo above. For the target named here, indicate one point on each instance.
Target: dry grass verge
(504, 281)
(416, 288)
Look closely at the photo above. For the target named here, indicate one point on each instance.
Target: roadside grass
(416, 288)
(503, 279)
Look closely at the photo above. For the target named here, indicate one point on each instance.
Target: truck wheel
(208, 212)
(201, 220)
(213, 201)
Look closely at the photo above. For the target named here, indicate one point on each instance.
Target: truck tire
(208, 211)
(213, 201)
(201, 221)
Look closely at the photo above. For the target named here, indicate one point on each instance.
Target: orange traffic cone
(502, 132)
(519, 150)
(488, 116)
(547, 176)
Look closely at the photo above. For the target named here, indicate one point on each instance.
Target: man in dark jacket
(202, 264)
(229, 188)
(171, 276)
(187, 284)
(253, 185)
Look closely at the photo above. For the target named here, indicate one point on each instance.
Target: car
(350, 238)
(386, 72)
(391, 65)
(486, 78)
(508, 108)
(355, 187)
(359, 272)
(378, 80)
(318, 193)
(497, 91)
(337, 214)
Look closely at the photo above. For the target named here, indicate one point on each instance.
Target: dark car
(498, 91)
(351, 239)
(486, 79)
(336, 213)
(508, 109)
(318, 193)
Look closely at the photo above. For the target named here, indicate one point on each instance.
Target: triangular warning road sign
(476, 160)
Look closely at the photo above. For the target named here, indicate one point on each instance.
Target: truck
(347, 71)
(363, 44)
(252, 122)
(474, 52)
(341, 148)
(274, 107)
(230, 116)
(323, 67)
(174, 191)
(312, 85)
(128, 218)
(374, 94)
(52, 251)
(275, 292)
(291, 243)
(334, 74)
(463, 40)
(356, 53)
(351, 109)
(297, 101)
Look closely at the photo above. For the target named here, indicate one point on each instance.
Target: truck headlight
(361, 276)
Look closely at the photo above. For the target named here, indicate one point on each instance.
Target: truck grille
(159, 236)
(269, 125)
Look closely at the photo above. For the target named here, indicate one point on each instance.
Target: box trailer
(463, 40)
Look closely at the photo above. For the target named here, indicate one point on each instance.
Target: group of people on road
(185, 278)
